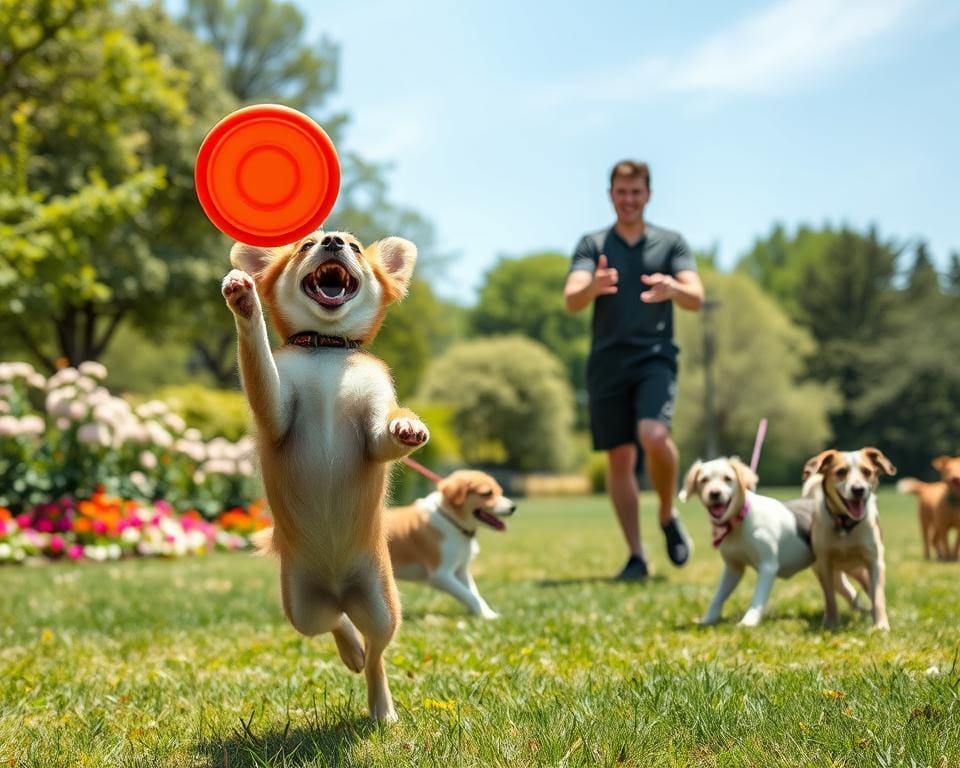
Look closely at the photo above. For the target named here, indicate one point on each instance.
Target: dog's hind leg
(349, 643)
(374, 608)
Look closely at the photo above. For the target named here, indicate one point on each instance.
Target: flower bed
(107, 528)
(68, 436)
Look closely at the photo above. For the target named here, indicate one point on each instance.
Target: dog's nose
(714, 495)
(858, 491)
(332, 243)
(513, 508)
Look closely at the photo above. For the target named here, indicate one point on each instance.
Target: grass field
(191, 663)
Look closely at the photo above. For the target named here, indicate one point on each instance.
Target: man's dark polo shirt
(626, 330)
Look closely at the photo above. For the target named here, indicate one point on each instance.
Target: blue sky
(502, 119)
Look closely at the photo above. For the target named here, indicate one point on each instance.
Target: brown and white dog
(846, 527)
(434, 539)
(328, 425)
(749, 530)
(939, 508)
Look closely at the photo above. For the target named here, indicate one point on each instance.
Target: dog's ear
(810, 468)
(876, 456)
(821, 461)
(397, 257)
(250, 258)
(745, 476)
(690, 481)
(940, 463)
(454, 491)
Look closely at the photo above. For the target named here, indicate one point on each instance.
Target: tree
(758, 372)
(264, 53)
(923, 280)
(101, 120)
(510, 400)
(525, 295)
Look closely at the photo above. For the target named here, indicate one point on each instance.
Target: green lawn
(191, 663)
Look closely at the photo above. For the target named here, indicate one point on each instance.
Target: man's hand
(662, 288)
(604, 278)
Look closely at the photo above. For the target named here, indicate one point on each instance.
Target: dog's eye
(307, 245)
(843, 472)
(485, 494)
(728, 478)
(866, 472)
(355, 247)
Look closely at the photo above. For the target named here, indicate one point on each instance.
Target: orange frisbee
(267, 175)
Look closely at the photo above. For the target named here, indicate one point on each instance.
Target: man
(633, 273)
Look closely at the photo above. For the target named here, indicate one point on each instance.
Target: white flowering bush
(69, 437)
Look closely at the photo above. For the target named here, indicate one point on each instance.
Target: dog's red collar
(722, 530)
(316, 340)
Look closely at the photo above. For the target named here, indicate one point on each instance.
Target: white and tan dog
(748, 530)
(434, 539)
(846, 527)
(328, 426)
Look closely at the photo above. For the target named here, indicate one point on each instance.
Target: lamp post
(709, 349)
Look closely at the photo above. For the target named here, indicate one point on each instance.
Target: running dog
(939, 508)
(434, 539)
(846, 527)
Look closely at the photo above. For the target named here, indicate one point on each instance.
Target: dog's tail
(909, 485)
(263, 541)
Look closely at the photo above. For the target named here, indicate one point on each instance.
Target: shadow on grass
(292, 747)
(548, 583)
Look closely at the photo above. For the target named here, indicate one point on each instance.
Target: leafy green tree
(912, 406)
(99, 119)
(758, 371)
(510, 400)
(525, 296)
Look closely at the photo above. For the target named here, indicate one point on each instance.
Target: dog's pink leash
(432, 476)
(758, 444)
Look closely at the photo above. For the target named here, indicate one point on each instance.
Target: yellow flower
(435, 704)
(829, 693)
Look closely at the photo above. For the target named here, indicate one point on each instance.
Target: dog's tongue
(856, 507)
(716, 510)
(492, 520)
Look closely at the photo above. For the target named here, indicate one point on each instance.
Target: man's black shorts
(653, 394)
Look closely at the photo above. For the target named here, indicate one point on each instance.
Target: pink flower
(56, 544)
(99, 526)
(75, 552)
(3, 528)
(23, 521)
(44, 526)
(163, 507)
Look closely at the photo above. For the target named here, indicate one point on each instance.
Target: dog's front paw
(238, 289)
(412, 432)
(708, 621)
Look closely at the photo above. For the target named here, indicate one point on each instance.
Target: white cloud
(781, 47)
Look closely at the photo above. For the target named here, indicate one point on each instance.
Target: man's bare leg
(662, 460)
(624, 494)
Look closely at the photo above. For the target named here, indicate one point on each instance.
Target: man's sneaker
(634, 570)
(679, 544)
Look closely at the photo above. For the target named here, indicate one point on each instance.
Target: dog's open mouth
(490, 519)
(717, 509)
(331, 284)
(856, 508)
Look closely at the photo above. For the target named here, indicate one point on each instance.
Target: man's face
(629, 195)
